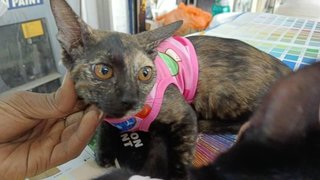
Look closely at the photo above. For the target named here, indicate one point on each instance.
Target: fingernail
(66, 77)
(101, 115)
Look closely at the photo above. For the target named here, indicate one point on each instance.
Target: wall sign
(15, 4)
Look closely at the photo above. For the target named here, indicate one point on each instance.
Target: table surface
(295, 41)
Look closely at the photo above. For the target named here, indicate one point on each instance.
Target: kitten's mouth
(121, 114)
(115, 115)
(142, 112)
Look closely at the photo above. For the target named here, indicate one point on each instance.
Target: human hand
(41, 131)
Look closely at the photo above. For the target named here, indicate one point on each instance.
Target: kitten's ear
(151, 39)
(73, 33)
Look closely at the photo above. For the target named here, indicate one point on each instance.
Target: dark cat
(117, 72)
(281, 140)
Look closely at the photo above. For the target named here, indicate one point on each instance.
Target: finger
(75, 144)
(71, 124)
(89, 123)
(74, 118)
(64, 101)
(44, 106)
(65, 98)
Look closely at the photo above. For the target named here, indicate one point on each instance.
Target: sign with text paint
(15, 4)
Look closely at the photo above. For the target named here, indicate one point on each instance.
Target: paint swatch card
(295, 41)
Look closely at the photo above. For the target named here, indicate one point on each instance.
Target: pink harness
(176, 64)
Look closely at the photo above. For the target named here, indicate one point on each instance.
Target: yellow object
(32, 29)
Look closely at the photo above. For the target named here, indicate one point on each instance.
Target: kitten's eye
(103, 71)
(145, 73)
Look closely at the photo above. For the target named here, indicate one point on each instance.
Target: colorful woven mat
(210, 146)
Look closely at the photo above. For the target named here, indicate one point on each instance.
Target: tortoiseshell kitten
(280, 141)
(116, 72)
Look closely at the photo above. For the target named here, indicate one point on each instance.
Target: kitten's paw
(179, 172)
(179, 178)
(104, 162)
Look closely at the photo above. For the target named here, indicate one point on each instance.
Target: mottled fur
(233, 77)
(281, 140)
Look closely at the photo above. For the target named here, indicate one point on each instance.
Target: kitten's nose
(128, 103)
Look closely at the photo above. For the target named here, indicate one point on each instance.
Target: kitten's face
(115, 74)
(114, 71)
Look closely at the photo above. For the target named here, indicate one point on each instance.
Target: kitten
(118, 73)
(280, 141)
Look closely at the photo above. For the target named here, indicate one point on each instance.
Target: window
(26, 59)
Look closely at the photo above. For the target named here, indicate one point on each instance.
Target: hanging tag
(32, 29)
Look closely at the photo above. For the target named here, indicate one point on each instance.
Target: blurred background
(30, 53)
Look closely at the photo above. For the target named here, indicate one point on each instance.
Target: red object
(144, 112)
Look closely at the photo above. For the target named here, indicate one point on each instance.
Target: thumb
(65, 99)
(45, 106)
